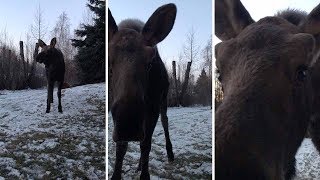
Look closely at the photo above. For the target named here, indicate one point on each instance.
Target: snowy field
(37, 145)
(191, 136)
(308, 161)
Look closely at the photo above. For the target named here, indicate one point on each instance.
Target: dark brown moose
(53, 60)
(265, 71)
(139, 83)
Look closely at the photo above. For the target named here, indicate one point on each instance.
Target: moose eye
(302, 73)
(218, 75)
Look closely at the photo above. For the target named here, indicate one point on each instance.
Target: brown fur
(53, 60)
(265, 74)
(139, 83)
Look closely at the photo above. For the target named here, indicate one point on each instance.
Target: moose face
(132, 49)
(47, 52)
(264, 69)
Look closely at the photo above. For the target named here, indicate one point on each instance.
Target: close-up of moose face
(47, 52)
(264, 70)
(132, 50)
(130, 61)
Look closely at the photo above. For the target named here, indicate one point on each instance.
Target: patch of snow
(35, 144)
(190, 131)
(307, 161)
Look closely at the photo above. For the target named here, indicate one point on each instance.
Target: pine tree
(203, 89)
(91, 45)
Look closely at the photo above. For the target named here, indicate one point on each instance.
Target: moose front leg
(59, 96)
(50, 95)
(314, 130)
(121, 149)
(145, 146)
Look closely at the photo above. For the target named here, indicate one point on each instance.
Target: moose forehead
(127, 39)
(267, 41)
(268, 30)
(45, 48)
(268, 35)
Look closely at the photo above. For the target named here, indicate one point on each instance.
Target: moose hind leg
(164, 121)
(59, 96)
(121, 149)
(50, 96)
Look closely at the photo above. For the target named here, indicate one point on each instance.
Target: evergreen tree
(91, 45)
(203, 89)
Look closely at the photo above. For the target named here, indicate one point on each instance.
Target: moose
(53, 60)
(268, 74)
(139, 83)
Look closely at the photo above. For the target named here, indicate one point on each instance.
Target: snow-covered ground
(37, 145)
(191, 135)
(308, 161)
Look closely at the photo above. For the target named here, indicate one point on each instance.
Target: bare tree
(191, 51)
(38, 28)
(207, 56)
(61, 31)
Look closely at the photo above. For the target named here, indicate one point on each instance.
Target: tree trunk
(185, 84)
(25, 71)
(33, 66)
(175, 83)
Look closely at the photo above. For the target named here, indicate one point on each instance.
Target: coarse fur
(139, 83)
(53, 60)
(266, 70)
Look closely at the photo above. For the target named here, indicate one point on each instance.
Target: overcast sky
(190, 13)
(16, 16)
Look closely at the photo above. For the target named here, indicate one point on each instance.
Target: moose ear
(41, 43)
(312, 23)
(231, 17)
(53, 42)
(112, 25)
(159, 24)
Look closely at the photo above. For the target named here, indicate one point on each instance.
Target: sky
(190, 14)
(16, 16)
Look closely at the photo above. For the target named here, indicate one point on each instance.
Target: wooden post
(174, 74)
(185, 83)
(22, 59)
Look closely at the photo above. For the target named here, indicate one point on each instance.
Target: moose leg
(164, 121)
(291, 171)
(314, 130)
(59, 96)
(121, 149)
(145, 146)
(50, 95)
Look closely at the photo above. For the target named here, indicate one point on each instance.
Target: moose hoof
(145, 176)
(170, 157)
(116, 176)
(139, 168)
(60, 111)
(47, 111)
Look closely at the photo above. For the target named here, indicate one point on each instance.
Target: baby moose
(53, 60)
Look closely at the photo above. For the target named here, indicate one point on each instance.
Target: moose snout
(128, 116)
